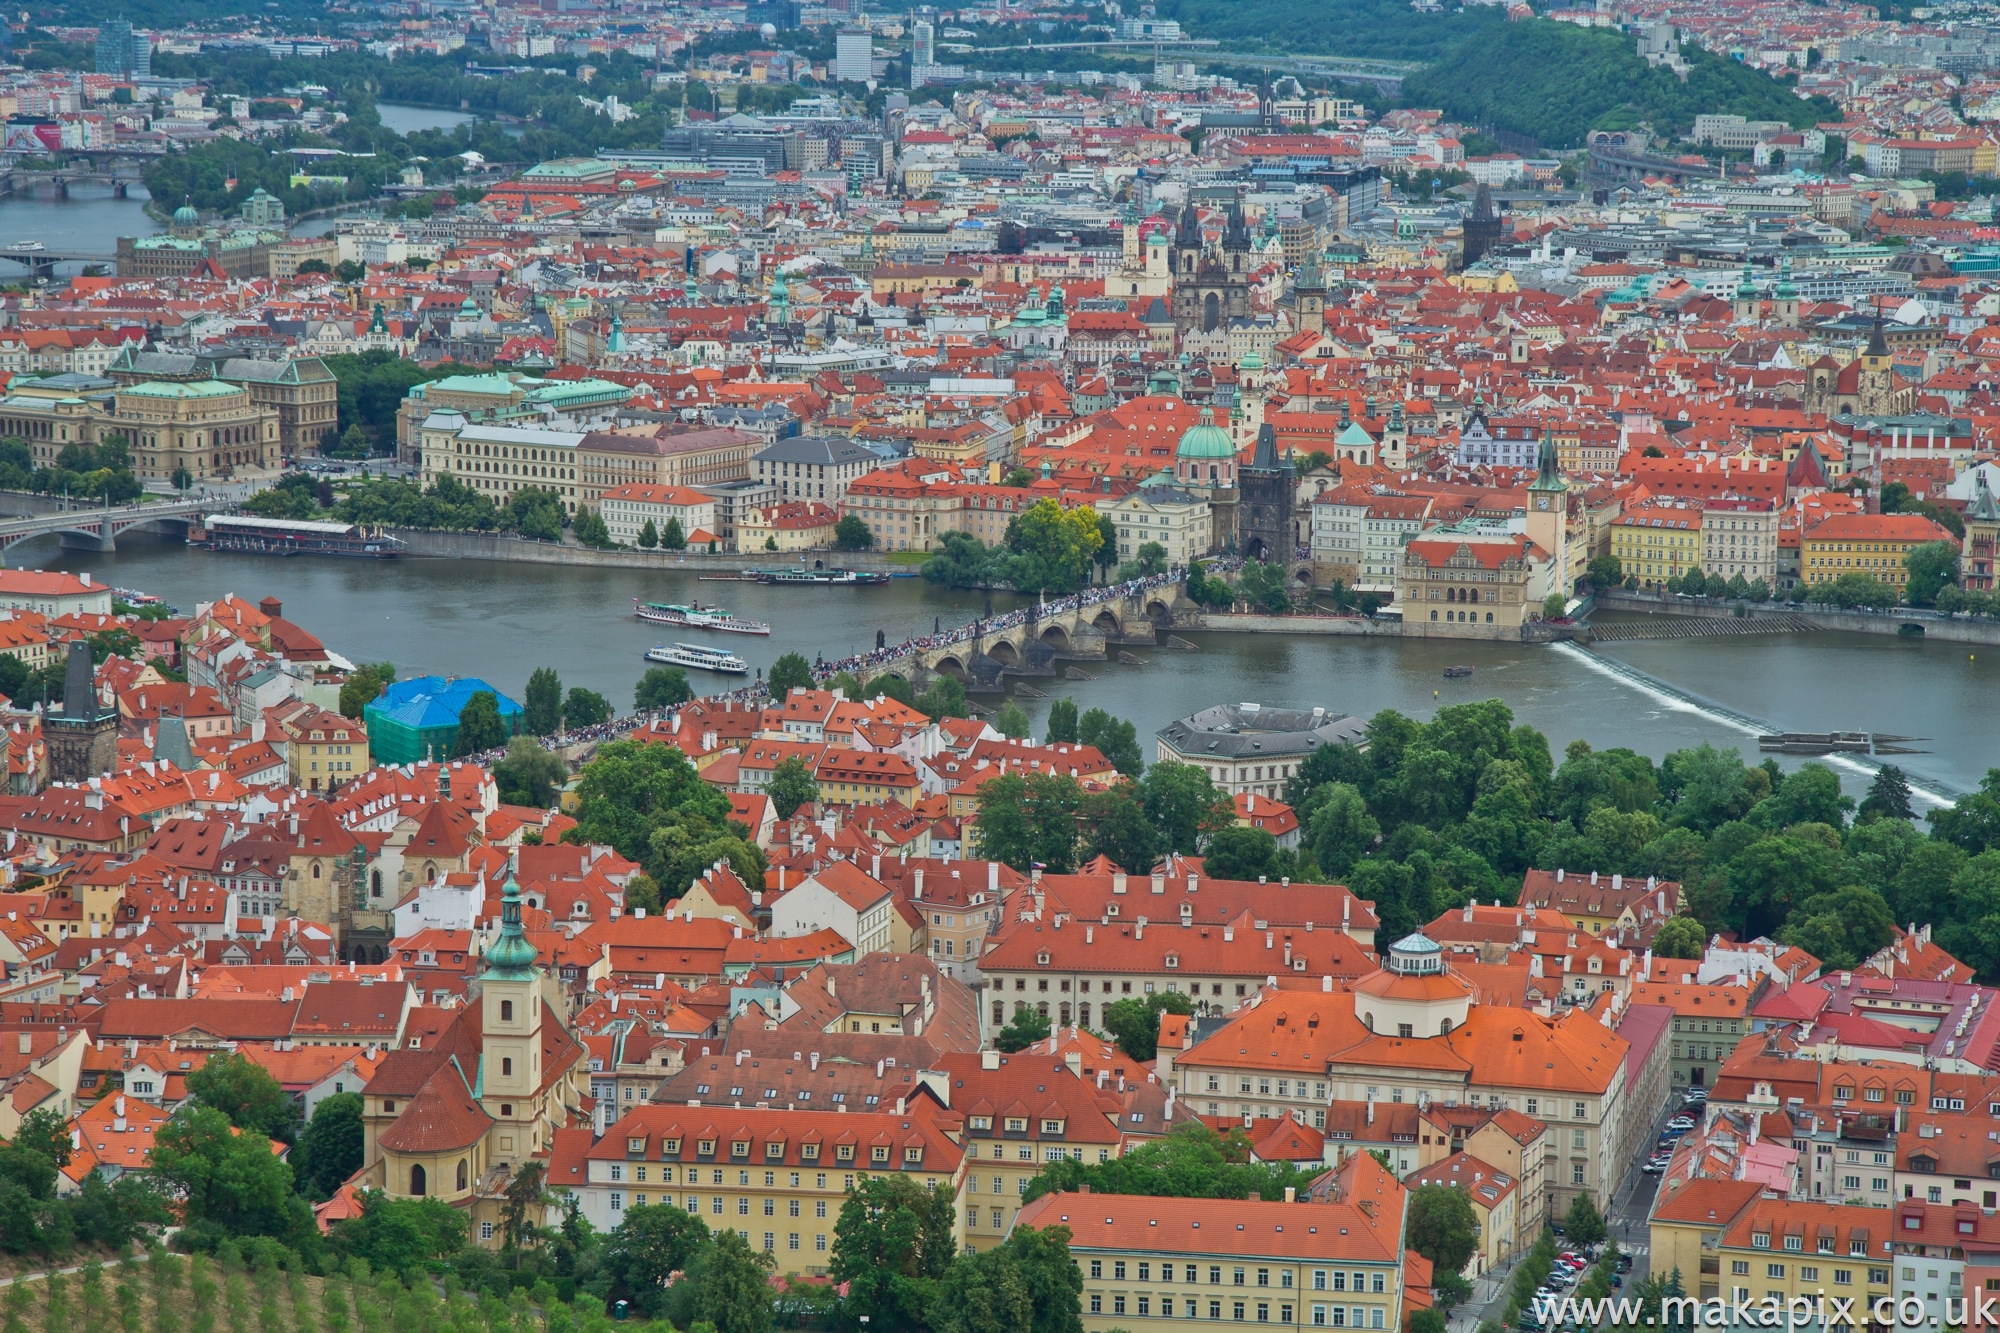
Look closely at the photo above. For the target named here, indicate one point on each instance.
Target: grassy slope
(133, 1298)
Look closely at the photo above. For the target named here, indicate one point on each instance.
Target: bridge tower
(83, 737)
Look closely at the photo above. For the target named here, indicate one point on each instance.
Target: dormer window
(707, 1147)
(739, 1148)
(913, 1157)
(1042, 959)
(1017, 1124)
(1173, 960)
(775, 1149)
(1052, 1126)
(1760, 1240)
(844, 1153)
(636, 1146)
(809, 1152)
(986, 1122)
(669, 1147)
(878, 1154)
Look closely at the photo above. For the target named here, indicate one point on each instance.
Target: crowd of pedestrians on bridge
(823, 670)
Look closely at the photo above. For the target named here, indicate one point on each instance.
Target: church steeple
(512, 957)
(1877, 353)
(1548, 473)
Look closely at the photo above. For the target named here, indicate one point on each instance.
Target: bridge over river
(1036, 641)
(96, 527)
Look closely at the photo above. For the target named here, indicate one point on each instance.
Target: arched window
(461, 1173)
(1444, 1028)
(419, 1185)
(315, 870)
(506, 1011)
(375, 885)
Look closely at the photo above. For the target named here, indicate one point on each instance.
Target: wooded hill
(1556, 82)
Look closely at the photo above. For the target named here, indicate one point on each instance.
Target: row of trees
(81, 471)
(1047, 549)
(447, 504)
(1435, 814)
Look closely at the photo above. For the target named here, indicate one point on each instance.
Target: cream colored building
(776, 1177)
(1740, 536)
(627, 509)
(498, 461)
(1178, 520)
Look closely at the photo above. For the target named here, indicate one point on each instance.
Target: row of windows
(693, 1176)
(1336, 1316)
(1264, 1087)
(1240, 1275)
(718, 1206)
(1125, 987)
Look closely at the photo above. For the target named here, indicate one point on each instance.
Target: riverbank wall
(1952, 629)
(503, 546)
(1224, 623)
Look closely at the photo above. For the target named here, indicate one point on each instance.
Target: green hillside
(1368, 29)
(1557, 82)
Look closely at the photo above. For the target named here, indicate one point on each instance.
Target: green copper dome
(1206, 440)
(512, 957)
(185, 216)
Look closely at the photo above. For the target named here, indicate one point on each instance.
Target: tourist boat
(133, 597)
(696, 617)
(815, 577)
(250, 535)
(1457, 672)
(700, 658)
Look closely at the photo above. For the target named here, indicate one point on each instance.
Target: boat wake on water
(1928, 790)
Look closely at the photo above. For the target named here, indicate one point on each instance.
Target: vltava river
(501, 621)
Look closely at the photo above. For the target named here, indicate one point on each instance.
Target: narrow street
(1630, 1205)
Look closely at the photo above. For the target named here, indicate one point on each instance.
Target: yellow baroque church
(452, 1119)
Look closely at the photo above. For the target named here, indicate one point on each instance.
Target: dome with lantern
(1205, 440)
(1413, 994)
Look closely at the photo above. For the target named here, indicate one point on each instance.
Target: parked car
(1624, 1264)
(1680, 1124)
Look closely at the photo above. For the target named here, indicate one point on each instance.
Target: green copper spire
(1548, 476)
(512, 957)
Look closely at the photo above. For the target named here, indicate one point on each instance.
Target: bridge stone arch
(1106, 622)
(1004, 652)
(1057, 637)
